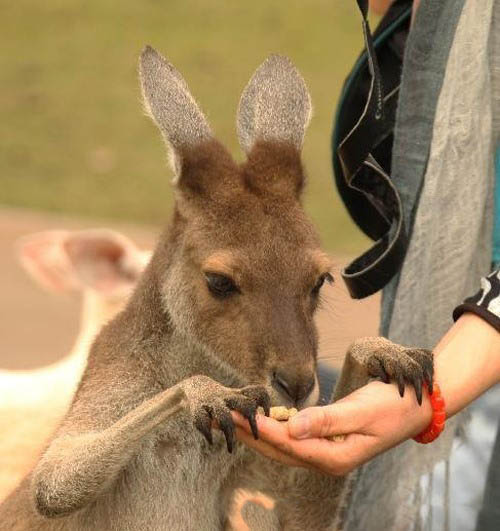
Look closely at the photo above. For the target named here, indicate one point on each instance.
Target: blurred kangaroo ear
(101, 259)
(171, 106)
(275, 105)
(43, 258)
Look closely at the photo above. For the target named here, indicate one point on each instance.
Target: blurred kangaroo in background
(101, 264)
(222, 319)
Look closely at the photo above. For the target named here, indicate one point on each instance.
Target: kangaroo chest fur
(172, 485)
(177, 480)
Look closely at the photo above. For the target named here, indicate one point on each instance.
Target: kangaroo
(221, 320)
(103, 265)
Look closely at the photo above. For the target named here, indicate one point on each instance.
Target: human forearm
(374, 417)
(467, 361)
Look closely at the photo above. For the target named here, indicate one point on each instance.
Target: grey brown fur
(132, 452)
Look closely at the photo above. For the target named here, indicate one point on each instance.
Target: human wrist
(419, 416)
(393, 417)
(467, 361)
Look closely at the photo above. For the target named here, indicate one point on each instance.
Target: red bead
(437, 402)
(436, 426)
(439, 417)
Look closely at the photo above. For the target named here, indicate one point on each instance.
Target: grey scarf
(444, 131)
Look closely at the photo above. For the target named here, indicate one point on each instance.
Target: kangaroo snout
(292, 386)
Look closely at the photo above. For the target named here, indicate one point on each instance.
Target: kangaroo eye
(321, 280)
(220, 285)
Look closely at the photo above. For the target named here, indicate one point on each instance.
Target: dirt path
(37, 328)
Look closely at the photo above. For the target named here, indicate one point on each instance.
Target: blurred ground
(74, 137)
(37, 328)
(75, 141)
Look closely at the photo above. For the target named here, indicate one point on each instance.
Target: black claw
(207, 433)
(430, 385)
(401, 385)
(429, 375)
(417, 384)
(246, 406)
(227, 427)
(380, 371)
(265, 403)
(253, 424)
(203, 423)
(261, 397)
(425, 360)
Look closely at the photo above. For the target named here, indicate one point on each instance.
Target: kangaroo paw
(211, 402)
(377, 357)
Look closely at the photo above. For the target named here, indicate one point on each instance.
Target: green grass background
(73, 135)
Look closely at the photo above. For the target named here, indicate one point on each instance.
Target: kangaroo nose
(292, 386)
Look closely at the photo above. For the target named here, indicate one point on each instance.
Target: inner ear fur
(275, 105)
(274, 168)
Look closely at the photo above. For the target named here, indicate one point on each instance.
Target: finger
(268, 423)
(340, 457)
(325, 421)
(275, 434)
(325, 455)
(334, 458)
(267, 449)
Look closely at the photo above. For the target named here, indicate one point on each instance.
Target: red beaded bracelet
(436, 425)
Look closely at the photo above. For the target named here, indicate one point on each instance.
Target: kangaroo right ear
(171, 106)
(275, 105)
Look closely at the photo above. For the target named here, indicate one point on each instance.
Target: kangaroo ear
(101, 259)
(275, 105)
(171, 106)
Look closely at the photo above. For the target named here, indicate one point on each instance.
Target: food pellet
(282, 413)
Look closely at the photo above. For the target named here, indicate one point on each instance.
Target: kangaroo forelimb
(77, 468)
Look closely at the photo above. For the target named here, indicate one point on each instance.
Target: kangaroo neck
(96, 311)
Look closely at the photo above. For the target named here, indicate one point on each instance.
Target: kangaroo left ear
(104, 260)
(275, 105)
(169, 102)
(100, 259)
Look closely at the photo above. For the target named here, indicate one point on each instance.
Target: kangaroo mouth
(280, 398)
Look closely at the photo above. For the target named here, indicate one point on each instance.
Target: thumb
(324, 421)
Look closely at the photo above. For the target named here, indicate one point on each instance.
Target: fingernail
(299, 426)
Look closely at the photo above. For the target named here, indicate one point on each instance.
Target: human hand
(373, 419)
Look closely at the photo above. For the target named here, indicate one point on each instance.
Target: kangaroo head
(244, 266)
